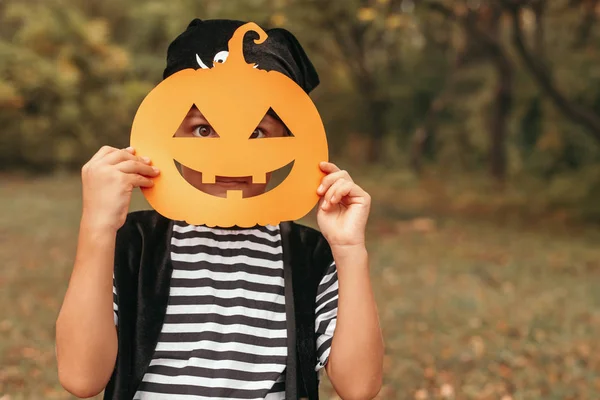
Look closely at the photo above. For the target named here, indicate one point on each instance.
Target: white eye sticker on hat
(219, 58)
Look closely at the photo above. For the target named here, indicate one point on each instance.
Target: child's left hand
(343, 208)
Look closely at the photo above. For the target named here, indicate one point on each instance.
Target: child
(205, 313)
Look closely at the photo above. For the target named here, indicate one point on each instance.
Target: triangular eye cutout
(195, 124)
(271, 126)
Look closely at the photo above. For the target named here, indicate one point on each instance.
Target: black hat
(205, 42)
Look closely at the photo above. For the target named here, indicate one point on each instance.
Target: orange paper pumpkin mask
(233, 96)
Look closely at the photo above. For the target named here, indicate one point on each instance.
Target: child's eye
(258, 133)
(204, 131)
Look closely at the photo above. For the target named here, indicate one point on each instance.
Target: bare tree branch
(576, 113)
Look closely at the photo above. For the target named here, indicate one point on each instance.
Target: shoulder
(145, 219)
(306, 234)
(146, 231)
(143, 223)
(312, 241)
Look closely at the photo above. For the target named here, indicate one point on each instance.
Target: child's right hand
(108, 180)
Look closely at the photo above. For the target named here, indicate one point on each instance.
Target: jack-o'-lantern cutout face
(234, 98)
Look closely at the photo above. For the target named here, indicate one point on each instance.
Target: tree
(482, 30)
(577, 113)
(363, 38)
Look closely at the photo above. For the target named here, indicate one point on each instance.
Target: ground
(471, 307)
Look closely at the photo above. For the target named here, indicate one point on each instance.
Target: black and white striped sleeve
(326, 314)
(115, 303)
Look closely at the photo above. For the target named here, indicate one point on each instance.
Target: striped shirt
(224, 333)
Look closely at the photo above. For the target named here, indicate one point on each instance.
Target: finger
(329, 197)
(328, 167)
(346, 193)
(104, 150)
(137, 167)
(330, 179)
(341, 189)
(117, 157)
(140, 181)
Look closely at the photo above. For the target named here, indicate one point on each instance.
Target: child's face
(195, 125)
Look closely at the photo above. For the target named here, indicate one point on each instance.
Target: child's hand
(108, 179)
(343, 208)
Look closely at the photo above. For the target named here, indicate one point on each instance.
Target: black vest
(142, 278)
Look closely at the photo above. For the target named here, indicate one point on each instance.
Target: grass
(473, 306)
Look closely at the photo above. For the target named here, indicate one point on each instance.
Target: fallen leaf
(421, 394)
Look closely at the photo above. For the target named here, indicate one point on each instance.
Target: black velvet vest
(142, 278)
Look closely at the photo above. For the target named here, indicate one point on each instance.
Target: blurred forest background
(474, 124)
(508, 90)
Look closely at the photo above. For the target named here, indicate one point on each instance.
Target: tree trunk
(377, 109)
(502, 100)
(539, 7)
(501, 110)
(424, 133)
(587, 24)
(483, 26)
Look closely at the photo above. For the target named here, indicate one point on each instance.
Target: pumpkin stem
(236, 43)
